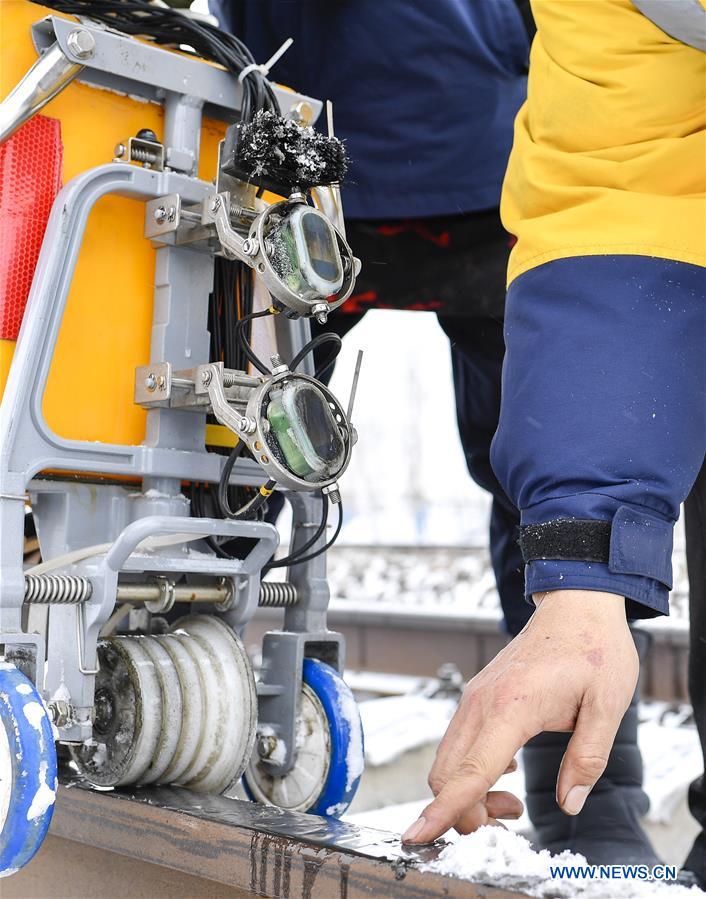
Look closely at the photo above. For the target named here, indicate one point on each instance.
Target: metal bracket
(147, 153)
(142, 69)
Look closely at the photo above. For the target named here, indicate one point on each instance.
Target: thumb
(587, 754)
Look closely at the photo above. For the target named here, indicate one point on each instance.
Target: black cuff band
(567, 539)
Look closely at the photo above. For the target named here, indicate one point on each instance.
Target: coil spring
(142, 154)
(44, 589)
(278, 594)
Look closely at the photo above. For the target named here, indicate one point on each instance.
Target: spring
(143, 154)
(56, 588)
(278, 594)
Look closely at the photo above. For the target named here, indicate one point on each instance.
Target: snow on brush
(506, 860)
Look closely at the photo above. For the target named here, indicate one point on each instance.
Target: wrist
(584, 603)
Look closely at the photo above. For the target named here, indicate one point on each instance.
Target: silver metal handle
(48, 76)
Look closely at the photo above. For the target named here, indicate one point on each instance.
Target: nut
(266, 745)
(81, 44)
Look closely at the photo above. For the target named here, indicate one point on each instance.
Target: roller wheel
(329, 750)
(27, 770)
(175, 708)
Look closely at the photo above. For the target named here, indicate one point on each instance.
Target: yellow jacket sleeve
(609, 153)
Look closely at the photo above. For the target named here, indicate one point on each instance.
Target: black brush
(278, 155)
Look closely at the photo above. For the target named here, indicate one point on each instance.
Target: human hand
(574, 667)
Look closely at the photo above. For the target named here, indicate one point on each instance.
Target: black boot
(607, 830)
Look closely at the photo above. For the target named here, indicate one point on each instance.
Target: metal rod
(49, 75)
(354, 386)
(182, 593)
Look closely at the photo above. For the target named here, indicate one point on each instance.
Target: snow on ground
(506, 860)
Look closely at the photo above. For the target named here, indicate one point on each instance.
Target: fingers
(455, 743)
(497, 804)
(501, 804)
(488, 758)
(587, 753)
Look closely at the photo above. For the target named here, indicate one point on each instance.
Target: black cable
(327, 546)
(247, 349)
(292, 558)
(314, 344)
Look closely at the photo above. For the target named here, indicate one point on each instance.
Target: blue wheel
(329, 753)
(27, 770)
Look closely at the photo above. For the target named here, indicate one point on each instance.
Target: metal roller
(174, 708)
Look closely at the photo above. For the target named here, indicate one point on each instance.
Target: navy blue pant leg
(477, 350)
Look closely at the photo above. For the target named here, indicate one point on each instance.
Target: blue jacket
(424, 91)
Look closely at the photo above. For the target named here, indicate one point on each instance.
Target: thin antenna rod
(354, 386)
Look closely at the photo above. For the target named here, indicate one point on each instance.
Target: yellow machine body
(107, 324)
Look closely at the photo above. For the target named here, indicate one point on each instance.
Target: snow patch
(44, 798)
(398, 724)
(348, 707)
(34, 713)
(62, 693)
(506, 860)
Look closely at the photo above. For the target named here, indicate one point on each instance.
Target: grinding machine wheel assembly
(148, 487)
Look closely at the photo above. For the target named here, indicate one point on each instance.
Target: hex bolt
(120, 150)
(246, 425)
(160, 215)
(150, 381)
(250, 247)
(171, 213)
(320, 312)
(81, 44)
(59, 712)
(216, 204)
(162, 382)
(206, 377)
(266, 745)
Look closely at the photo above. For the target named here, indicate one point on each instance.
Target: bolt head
(160, 215)
(162, 382)
(266, 745)
(205, 378)
(81, 44)
(250, 247)
(216, 204)
(120, 150)
(150, 381)
(321, 318)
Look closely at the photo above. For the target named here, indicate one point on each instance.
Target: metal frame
(117, 519)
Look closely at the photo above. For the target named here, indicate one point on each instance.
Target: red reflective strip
(30, 179)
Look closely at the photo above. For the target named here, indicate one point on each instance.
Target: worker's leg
(477, 351)
(696, 558)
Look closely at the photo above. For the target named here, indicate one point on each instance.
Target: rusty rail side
(250, 850)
